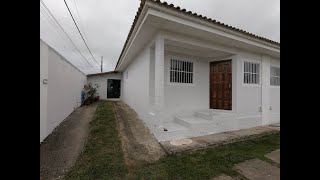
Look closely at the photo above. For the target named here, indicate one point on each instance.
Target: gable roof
(184, 11)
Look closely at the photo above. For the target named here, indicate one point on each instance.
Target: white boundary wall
(62, 93)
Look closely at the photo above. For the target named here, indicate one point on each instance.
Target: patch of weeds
(208, 163)
(102, 157)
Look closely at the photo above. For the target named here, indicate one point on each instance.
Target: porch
(183, 102)
(197, 89)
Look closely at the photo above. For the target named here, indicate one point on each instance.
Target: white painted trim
(200, 43)
(206, 26)
(165, 13)
(222, 58)
(181, 58)
(133, 36)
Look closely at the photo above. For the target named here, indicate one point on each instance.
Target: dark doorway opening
(113, 88)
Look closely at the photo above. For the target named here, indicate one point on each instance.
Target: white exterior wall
(135, 83)
(257, 104)
(139, 91)
(158, 102)
(181, 98)
(248, 96)
(102, 80)
(63, 89)
(44, 51)
(275, 97)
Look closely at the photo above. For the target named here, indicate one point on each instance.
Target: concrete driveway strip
(258, 169)
(61, 148)
(274, 156)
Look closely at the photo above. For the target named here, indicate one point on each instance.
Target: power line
(53, 24)
(84, 32)
(65, 32)
(80, 31)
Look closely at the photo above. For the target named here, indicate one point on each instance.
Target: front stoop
(199, 124)
(217, 139)
(206, 122)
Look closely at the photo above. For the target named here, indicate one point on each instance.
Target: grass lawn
(103, 159)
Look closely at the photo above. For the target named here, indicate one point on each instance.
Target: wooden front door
(220, 85)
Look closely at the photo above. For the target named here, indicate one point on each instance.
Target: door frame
(232, 88)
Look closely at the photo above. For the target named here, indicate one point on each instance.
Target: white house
(188, 75)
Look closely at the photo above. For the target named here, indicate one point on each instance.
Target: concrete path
(137, 142)
(257, 169)
(223, 177)
(219, 138)
(274, 156)
(61, 148)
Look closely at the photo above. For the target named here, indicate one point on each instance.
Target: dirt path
(138, 144)
(61, 148)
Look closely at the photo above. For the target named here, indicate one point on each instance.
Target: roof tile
(190, 13)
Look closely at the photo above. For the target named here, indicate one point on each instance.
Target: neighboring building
(188, 75)
(109, 84)
(60, 89)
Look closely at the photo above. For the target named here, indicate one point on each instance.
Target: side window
(181, 71)
(251, 73)
(274, 76)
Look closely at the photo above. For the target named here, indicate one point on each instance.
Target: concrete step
(188, 121)
(203, 115)
(212, 115)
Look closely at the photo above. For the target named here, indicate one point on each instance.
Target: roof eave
(226, 27)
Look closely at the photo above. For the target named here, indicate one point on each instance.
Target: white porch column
(159, 73)
(265, 89)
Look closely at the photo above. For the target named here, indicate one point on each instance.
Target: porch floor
(201, 142)
(199, 123)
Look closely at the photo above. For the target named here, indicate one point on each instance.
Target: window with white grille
(274, 76)
(251, 73)
(181, 71)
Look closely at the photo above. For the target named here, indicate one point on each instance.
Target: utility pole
(101, 64)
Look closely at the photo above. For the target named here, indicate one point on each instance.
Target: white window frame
(180, 58)
(242, 72)
(275, 66)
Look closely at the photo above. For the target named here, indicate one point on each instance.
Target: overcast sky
(105, 24)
